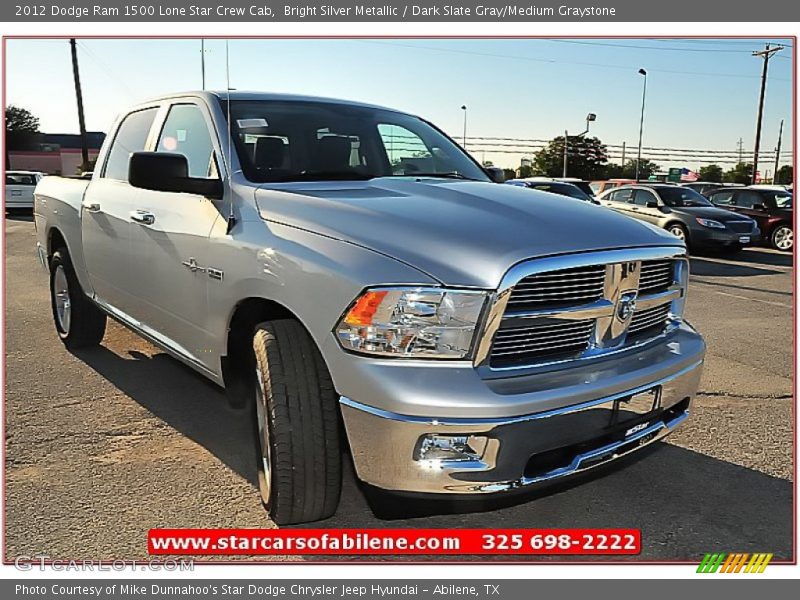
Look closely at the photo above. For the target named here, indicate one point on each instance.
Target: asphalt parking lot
(103, 445)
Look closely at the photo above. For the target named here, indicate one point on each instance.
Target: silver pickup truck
(354, 277)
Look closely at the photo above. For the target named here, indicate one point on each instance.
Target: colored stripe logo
(719, 562)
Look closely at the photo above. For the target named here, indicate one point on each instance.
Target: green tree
(785, 175)
(587, 158)
(22, 128)
(524, 171)
(615, 171)
(740, 173)
(711, 173)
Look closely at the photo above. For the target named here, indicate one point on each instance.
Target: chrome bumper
(389, 450)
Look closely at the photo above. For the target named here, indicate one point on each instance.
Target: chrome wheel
(678, 232)
(783, 238)
(262, 415)
(62, 301)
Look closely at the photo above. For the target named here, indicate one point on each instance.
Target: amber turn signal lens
(364, 308)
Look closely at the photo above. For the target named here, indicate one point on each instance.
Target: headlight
(412, 322)
(710, 223)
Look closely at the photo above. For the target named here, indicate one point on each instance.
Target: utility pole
(764, 54)
(740, 146)
(623, 155)
(79, 98)
(566, 145)
(778, 153)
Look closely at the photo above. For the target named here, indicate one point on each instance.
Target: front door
(171, 235)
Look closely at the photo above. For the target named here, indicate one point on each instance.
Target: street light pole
(464, 136)
(589, 118)
(641, 123)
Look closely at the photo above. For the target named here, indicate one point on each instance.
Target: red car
(770, 207)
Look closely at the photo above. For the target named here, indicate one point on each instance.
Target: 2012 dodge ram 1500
(333, 262)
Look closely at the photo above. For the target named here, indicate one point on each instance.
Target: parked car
(19, 188)
(553, 187)
(470, 340)
(704, 187)
(771, 207)
(685, 214)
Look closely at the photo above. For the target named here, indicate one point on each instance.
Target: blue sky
(702, 94)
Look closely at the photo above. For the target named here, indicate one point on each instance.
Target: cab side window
(131, 137)
(185, 132)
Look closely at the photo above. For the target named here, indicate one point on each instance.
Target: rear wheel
(299, 470)
(782, 238)
(78, 321)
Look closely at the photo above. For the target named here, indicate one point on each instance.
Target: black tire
(782, 238)
(300, 464)
(86, 324)
(679, 231)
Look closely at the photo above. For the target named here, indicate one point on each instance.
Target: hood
(459, 232)
(710, 212)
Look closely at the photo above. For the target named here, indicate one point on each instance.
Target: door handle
(90, 206)
(143, 217)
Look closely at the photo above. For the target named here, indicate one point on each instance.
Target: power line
(560, 61)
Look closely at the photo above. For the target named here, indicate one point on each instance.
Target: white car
(19, 188)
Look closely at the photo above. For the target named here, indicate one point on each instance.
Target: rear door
(105, 216)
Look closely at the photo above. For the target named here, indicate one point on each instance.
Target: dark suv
(770, 207)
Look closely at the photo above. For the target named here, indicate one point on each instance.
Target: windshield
(783, 200)
(682, 196)
(316, 141)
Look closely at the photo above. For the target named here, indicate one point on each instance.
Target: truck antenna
(231, 216)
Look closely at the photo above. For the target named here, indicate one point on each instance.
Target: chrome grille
(576, 306)
(656, 276)
(521, 344)
(648, 319)
(567, 287)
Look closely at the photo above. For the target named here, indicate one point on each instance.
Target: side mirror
(651, 204)
(759, 207)
(496, 174)
(168, 172)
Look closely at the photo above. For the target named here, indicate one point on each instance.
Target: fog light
(436, 447)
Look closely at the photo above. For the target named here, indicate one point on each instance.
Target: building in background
(57, 153)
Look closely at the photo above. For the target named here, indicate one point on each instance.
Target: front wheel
(679, 231)
(782, 238)
(299, 467)
(78, 321)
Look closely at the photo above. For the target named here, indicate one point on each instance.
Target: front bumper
(509, 453)
(706, 236)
